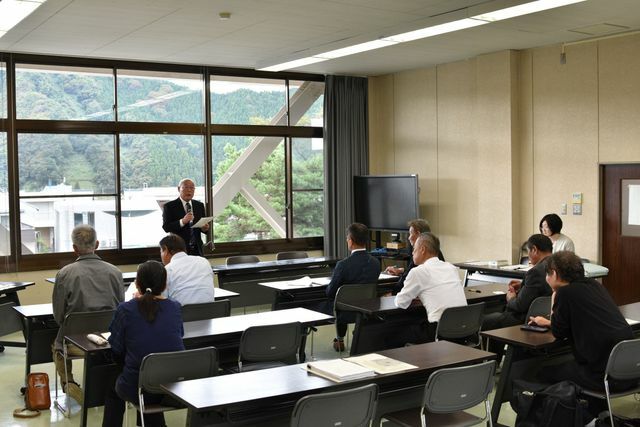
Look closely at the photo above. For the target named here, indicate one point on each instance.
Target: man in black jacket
(359, 267)
(179, 215)
(520, 295)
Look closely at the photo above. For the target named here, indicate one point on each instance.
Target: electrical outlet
(563, 209)
(577, 209)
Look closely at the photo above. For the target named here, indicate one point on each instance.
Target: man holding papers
(180, 216)
(437, 284)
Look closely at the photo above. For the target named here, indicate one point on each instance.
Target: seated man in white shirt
(189, 277)
(436, 283)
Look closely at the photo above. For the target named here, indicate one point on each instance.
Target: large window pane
(249, 193)
(5, 248)
(147, 96)
(66, 164)
(3, 90)
(248, 101)
(151, 168)
(64, 93)
(308, 184)
(306, 103)
(47, 222)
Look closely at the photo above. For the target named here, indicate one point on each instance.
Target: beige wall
(502, 139)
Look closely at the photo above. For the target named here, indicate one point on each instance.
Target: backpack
(36, 396)
(557, 405)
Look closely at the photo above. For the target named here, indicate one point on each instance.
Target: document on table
(308, 281)
(516, 267)
(381, 364)
(631, 322)
(339, 370)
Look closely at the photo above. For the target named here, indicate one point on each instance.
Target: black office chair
(207, 310)
(269, 346)
(349, 293)
(623, 364)
(461, 324)
(447, 394)
(540, 306)
(171, 367)
(291, 255)
(81, 322)
(242, 259)
(11, 322)
(353, 407)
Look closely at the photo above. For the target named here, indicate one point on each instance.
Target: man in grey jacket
(88, 284)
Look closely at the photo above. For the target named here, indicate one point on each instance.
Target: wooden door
(620, 232)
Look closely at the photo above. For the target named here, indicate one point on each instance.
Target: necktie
(188, 206)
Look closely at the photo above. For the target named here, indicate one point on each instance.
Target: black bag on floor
(557, 405)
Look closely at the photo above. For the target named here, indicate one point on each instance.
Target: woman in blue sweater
(148, 324)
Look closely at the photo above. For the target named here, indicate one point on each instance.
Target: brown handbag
(36, 396)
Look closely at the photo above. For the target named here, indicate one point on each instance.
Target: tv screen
(386, 202)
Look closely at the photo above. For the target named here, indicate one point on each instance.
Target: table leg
(505, 379)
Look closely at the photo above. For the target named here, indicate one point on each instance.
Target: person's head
(170, 245)
(427, 246)
(357, 236)
(417, 227)
(151, 281)
(539, 247)
(563, 268)
(187, 188)
(550, 224)
(84, 239)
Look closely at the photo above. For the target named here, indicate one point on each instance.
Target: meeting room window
(151, 166)
(61, 176)
(248, 101)
(249, 190)
(152, 96)
(307, 186)
(106, 142)
(46, 92)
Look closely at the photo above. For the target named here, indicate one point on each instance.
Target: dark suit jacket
(173, 212)
(359, 267)
(533, 285)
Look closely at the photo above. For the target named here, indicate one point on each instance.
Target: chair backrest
(175, 366)
(86, 322)
(271, 343)
(353, 407)
(455, 389)
(349, 293)
(291, 255)
(624, 360)
(11, 321)
(242, 259)
(540, 306)
(206, 310)
(460, 322)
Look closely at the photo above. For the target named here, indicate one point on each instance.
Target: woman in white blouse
(550, 226)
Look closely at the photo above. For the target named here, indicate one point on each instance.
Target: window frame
(13, 126)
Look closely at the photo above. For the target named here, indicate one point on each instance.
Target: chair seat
(411, 417)
(155, 408)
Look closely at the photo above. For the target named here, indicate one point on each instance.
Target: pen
(478, 291)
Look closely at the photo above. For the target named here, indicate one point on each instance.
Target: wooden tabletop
(237, 324)
(221, 391)
(7, 287)
(515, 336)
(317, 282)
(272, 265)
(34, 310)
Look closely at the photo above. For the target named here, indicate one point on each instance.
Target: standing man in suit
(179, 215)
(359, 267)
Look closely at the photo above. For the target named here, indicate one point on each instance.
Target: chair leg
(312, 333)
(487, 407)
(606, 390)
(141, 399)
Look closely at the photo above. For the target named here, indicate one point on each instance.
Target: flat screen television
(386, 202)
